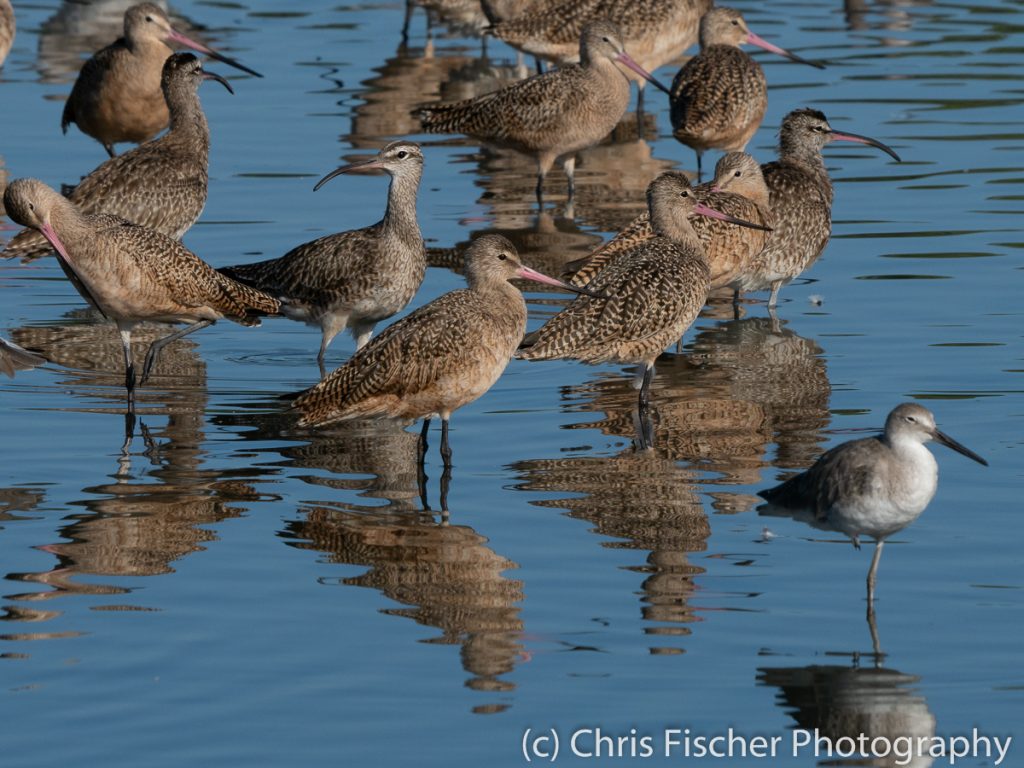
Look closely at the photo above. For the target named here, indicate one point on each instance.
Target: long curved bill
(703, 210)
(51, 237)
(219, 79)
(949, 442)
(188, 42)
(762, 43)
(626, 59)
(540, 277)
(360, 166)
(837, 136)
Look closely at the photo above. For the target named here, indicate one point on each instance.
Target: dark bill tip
(856, 137)
(219, 79)
(949, 442)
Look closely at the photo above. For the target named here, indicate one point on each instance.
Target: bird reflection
(847, 701)
(444, 576)
(882, 14)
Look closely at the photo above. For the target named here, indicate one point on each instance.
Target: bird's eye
(402, 155)
(685, 193)
(605, 39)
(735, 23)
(737, 174)
(31, 207)
(149, 18)
(911, 419)
(502, 256)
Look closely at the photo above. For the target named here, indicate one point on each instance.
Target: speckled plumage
(117, 95)
(7, 29)
(801, 202)
(653, 292)
(161, 185)
(437, 359)
(357, 278)
(548, 116)
(130, 273)
(728, 248)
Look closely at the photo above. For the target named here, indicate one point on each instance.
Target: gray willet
(801, 201)
(719, 97)
(873, 487)
(117, 94)
(554, 115)
(131, 274)
(160, 185)
(357, 278)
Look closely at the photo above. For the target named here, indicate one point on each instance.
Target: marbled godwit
(13, 358)
(653, 31)
(652, 292)
(801, 201)
(719, 97)
(738, 189)
(117, 94)
(131, 274)
(357, 278)
(437, 359)
(553, 115)
(871, 487)
(160, 185)
(7, 29)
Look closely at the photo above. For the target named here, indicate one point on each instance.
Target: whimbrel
(7, 29)
(160, 185)
(651, 293)
(871, 487)
(553, 115)
(719, 97)
(437, 359)
(117, 94)
(131, 274)
(738, 189)
(801, 201)
(653, 31)
(357, 278)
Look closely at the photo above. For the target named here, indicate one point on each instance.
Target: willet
(651, 292)
(160, 185)
(739, 190)
(117, 94)
(719, 97)
(437, 359)
(873, 487)
(357, 278)
(7, 29)
(800, 199)
(131, 274)
(553, 115)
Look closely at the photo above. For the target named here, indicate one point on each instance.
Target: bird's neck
(186, 113)
(676, 228)
(400, 216)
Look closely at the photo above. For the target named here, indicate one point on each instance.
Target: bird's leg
(645, 389)
(110, 150)
(700, 155)
(446, 450)
(540, 191)
(421, 470)
(569, 166)
(129, 433)
(873, 573)
(774, 298)
(159, 344)
(446, 480)
(539, 63)
(735, 303)
(129, 365)
(644, 430)
(876, 644)
(640, 112)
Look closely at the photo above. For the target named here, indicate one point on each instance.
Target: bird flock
(753, 227)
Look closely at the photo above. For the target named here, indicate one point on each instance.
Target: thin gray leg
(159, 344)
(446, 450)
(129, 365)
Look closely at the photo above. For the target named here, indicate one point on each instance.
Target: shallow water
(231, 589)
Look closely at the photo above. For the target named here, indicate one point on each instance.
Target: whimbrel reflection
(444, 575)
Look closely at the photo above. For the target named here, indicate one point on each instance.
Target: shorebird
(647, 297)
(357, 278)
(161, 185)
(437, 359)
(7, 29)
(719, 97)
(553, 115)
(739, 190)
(871, 487)
(13, 358)
(653, 31)
(131, 274)
(117, 94)
(801, 201)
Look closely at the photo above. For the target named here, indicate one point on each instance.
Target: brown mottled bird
(651, 292)
(357, 278)
(161, 185)
(801, 201)
(439, 358)
(719, 97)
(553, 115)
(739, 190)
(117, 94)
(131, 274)
(7, 29)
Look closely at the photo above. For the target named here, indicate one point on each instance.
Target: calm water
(233, 591)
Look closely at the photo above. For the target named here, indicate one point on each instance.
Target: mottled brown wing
(714, 92)
(635, 232)
(802, 219)
(729, 247)
(407, 357)
(559, 23)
